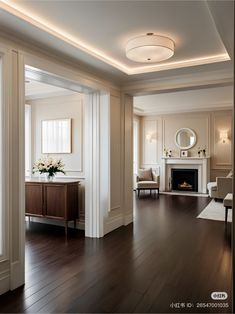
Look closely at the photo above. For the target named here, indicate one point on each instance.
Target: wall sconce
(149, 137)
(224, 136)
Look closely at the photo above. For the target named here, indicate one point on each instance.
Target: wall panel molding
(150, 147)
(203, 123)
(221, 152)
(53, 108)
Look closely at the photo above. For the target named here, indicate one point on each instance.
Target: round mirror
(185, 138)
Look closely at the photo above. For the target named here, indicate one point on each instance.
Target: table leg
(226, 214)
(66, 228)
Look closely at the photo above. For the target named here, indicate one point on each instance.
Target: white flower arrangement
(49, 165)
(167, 152)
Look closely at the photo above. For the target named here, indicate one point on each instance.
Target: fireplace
(184, 180)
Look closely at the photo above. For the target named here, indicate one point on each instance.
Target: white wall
(69, 106)
(206, 125)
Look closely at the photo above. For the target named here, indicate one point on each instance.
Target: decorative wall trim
(115, 129)
(181, 82)
(128, 218)
(75, 170)
(168, 111)
(75, 102)
(150, 165)
(209, 124)
(5, 116)
(221, 169)
(194, 116)
(115, 207)
(128, 154)
(4, 281)
(112, 223)
(216, 165)
(146, 122)
(223, 164)
(17, 277)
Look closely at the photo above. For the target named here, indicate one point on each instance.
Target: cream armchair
(147, 179)
(220, 188)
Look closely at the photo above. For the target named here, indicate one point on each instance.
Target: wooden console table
(54, 200)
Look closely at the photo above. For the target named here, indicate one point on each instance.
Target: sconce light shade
(223, 136)
(149, 137)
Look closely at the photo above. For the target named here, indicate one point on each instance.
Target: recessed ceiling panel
(103, 28)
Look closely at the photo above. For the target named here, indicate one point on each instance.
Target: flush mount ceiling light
(150, 48)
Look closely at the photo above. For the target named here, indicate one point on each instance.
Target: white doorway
(93, 106)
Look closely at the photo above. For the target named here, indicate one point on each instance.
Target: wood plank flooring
(167, 256)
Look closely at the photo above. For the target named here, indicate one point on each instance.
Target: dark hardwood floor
(167, 256)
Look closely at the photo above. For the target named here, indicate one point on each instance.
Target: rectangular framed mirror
(56, 136)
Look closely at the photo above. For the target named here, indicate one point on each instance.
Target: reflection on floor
(167, 257)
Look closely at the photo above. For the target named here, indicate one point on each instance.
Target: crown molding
(207, 108)
(180, 82)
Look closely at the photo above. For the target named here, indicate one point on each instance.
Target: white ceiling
(185, 101)
(38, 90)
(96, 32)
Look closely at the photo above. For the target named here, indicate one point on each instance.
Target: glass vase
(50, 177)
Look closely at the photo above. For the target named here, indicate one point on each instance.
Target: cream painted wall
(69, 106)
(128, 159)
(206, 125)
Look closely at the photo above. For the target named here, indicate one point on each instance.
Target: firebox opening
(184, 180)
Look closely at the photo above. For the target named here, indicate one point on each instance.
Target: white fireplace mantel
(202, 164)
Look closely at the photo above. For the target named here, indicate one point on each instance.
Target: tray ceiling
(99, 30)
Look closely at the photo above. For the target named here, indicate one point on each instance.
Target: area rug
(215, 211)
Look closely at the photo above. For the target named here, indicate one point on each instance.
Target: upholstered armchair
(220, 188)
(147, 179)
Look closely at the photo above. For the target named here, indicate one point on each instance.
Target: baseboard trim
(112, 223)
(128, 219)
(17, 275)
(4, 281)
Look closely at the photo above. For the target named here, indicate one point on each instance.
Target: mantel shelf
(187, 158)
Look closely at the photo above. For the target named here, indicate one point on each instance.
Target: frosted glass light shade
(224, 136)
(150, 48)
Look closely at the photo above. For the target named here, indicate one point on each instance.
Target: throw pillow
(230, 175)
(145, 175)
